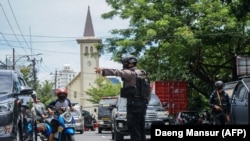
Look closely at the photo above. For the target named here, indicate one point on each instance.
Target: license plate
(69, 125)
(105, 119)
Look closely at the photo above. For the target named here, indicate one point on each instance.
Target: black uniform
(222, 100)
(136, 106)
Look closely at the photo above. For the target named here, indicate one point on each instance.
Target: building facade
(89, 59)
(64, 76)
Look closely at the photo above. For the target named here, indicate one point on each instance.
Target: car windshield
(107, 102)
(75, 113)
(105, 106)
(154, 101)
(25, 99)
(229, 87)
(247, 82)
(122, 104)
(5, 83)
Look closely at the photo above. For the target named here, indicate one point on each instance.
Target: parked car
(12, 85)
(105, 107)
(187, 118)
(155, 115)
(240, 111)
(79, 120)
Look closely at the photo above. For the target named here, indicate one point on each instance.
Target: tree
(189, 40)
(29, 76)
(45, 93)
(103, 87)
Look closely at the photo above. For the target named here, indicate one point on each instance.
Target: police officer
(219, 102)
(136, 106)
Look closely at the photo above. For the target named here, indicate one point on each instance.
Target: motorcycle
(37, 126)
(42, 129)
(66, 125)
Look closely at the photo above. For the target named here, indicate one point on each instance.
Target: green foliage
(197, 102)
(187, 40)
(45, 93)
(29, 77)
(103, 87)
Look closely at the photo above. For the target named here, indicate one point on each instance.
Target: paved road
(95, 136)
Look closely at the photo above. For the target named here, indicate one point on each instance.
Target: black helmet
(33, 95)
(129, 59)
(219, 85)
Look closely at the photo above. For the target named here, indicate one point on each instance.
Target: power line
(17, 23)
(46, 36)
(11, 27)
(44, 41)
(5, 39)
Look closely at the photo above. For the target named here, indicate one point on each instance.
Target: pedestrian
(60, 102)
(136, 105)
(219, 102)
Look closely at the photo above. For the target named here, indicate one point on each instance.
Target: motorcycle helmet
(61, 93)
(219, 85)
(33, 95)
(128, 60)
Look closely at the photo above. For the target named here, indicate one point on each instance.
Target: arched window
(91, 49)
(86, 49)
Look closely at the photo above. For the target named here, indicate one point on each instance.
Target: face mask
(125, 66)
(61, 97)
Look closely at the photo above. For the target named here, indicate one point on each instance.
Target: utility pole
(13, 58)
(34, 72)
(55, 80)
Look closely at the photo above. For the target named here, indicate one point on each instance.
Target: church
(89, 59)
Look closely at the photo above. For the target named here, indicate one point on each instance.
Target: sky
(46, 31)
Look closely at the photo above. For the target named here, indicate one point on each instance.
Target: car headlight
(6, 129)
(6, 106)
(121, 115)
(162, 114)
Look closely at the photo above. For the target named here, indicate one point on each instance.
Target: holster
(128, 92)
(219, 113)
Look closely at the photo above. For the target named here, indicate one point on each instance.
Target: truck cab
(105, 107)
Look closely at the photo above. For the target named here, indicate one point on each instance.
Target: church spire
(89, 30)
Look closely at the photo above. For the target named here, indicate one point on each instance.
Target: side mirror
(26, 90)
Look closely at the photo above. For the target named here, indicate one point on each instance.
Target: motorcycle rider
(219, 102)
(61, 101)
(39, 108)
